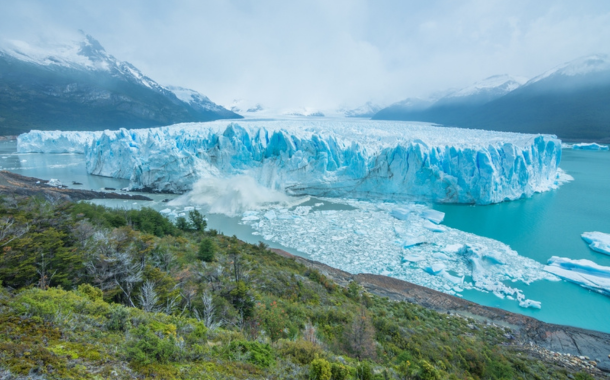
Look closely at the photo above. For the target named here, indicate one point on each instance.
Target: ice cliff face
(363, 159)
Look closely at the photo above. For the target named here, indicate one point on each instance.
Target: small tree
(207, 250)
(198, 220)
(182, 223)
(320, 369)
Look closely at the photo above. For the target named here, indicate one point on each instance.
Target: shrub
(147, 348)
(91, 292)
(364, 371)
(118, 319)
(320, 370)
(338, 371)
(207, 250)
(150, 221)
(301, 351)
(428, 372)
(260, 354)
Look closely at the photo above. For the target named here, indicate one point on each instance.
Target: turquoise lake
(545, 225)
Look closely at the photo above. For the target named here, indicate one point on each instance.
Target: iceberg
(591, 146)
(583, 272)
(362, 159)
(598, 241)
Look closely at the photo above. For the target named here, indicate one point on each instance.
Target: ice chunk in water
(434, 227)
(530, 304)
(435, 268)
(598, 241)
(591, 146)
(433, 215)
(401, 213)
(583, 272)
(270, 215)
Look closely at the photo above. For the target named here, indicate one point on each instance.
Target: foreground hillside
(92, 293)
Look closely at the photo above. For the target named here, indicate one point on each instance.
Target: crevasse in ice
(333, 158)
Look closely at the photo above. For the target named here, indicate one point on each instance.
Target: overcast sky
(325, 53)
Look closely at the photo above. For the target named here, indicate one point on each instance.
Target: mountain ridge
(82, 87)
(569, 101)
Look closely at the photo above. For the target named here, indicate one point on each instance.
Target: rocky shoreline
(12, 183)
(568, 346)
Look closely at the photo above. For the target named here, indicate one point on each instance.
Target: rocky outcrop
(11, 183)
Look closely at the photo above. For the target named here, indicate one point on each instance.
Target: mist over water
(235, 195)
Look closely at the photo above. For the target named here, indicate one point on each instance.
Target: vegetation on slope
(91, 293)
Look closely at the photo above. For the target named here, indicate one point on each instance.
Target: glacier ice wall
(363, 159)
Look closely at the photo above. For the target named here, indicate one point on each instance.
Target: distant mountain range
(571, 101)
(81, 87)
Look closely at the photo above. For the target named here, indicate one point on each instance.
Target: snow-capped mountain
(80, 86)
(592, 64)
(570, 101)
(488, 89)
(199, 101)
(366, 110)
(443, 107)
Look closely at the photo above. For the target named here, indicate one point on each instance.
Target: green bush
(428, 372)
(260, 354)
(364, 371)
(146, 347)
(118, 319)
(150, 221)
(207, 250)
(90, 292)
(320, 369)
(301, 351)
(338, 371)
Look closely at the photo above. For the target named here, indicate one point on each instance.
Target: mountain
(82, 87)
(367, 110)
(452, 105)
(570, 101)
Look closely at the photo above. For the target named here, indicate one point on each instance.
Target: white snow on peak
(340, 158)
(366, 110)
(502, 83)
(85, 54)
(580, 66)
(187, 95)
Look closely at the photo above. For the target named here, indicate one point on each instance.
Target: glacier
(598, 241)
(583, 272)
(327, 158)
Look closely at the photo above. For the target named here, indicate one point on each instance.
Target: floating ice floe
(598, 241)
(583, 272)
(370, 239)
(591, 146)
(54, 182)
(363, 159)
